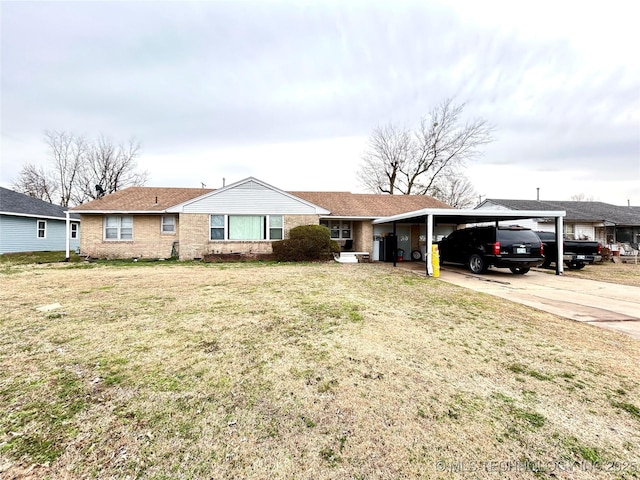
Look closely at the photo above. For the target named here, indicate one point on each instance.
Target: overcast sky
(289, 91)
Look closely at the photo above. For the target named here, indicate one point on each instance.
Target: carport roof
(460, 216)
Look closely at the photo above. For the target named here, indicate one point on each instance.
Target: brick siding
(148, 241)
(195, 243)
(363, 236)
(192, 232)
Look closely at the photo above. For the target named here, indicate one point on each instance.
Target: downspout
(68, 240)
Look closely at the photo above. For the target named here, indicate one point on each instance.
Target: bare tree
(109, 167)
(389, 152)
(77, 166)
(67, 155)
(455, 189)
(398, 160)
(35, 182)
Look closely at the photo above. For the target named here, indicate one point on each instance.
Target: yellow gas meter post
(435, 260)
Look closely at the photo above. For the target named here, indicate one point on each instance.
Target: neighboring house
(606, 223)
(31, 225)
(244, 217)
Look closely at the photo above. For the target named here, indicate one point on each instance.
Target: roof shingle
(143, 199)
(369, 205)
(578, 210)
(341, 204)
(21, 204)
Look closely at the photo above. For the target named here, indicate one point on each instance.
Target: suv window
(517, 236)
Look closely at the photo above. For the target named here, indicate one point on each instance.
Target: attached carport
(449, 216)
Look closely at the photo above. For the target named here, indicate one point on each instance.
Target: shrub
(306, 243)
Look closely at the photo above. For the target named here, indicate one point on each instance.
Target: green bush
(306, 243)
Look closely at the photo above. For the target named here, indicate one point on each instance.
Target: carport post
(560, 244)
(429, 232)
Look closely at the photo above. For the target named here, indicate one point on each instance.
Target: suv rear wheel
(519, 270)
(477, 264)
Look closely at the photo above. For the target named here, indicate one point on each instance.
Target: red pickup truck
(577, 253)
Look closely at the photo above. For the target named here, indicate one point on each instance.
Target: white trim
(225, 234)
(347, 217)
(162, 232)
(38, 237)
(268, 228)
(121, 212)
(119, 229)
(453, 212)
(28, 215)
(224, 227)
(340, 221)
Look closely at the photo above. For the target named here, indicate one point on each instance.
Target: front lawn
(620, 273)
(30, 258)
(187, 370)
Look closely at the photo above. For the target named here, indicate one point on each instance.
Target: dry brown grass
(621, 273)
(302, 371)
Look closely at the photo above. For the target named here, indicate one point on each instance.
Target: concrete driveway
(616, 307)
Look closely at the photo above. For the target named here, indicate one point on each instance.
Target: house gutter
(346, 217)
(28, 215)
(120, 212)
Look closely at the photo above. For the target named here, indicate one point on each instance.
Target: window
(118, 227)
(246, 227)
(569, 231)
(42, 229)
(74, 230)
(340, 229)
(168, 224)
(275, 227)
(217, 227)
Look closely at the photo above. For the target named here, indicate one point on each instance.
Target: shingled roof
(340, 204)
(19, 204)
(346, 204)
(577, 211)
(142, 199)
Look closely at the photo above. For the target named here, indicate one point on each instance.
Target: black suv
(513, 247)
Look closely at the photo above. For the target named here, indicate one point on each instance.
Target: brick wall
(194, 235)
(148, 241)
(192, 232)
(363, 236)
(291, 221)
(195, 243)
